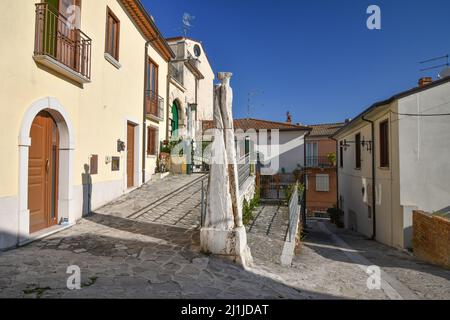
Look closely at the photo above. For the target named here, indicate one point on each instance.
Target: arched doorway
(43, 171)
(175, 120)
(50, 113)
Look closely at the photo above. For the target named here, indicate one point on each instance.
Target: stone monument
(223, 232)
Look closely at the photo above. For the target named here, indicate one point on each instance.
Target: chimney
(425, 81)
(289, 117)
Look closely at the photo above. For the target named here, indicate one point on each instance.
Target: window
(152, 141)
(384, 144)
(112, 34)
(70, 9)
(358, 151)
(341, 156)
(312, 154)
(93, 167)
(322, 183)
(151, 88)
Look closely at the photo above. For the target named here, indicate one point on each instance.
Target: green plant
(289, 190)
(332, 158)
(247, 215)
(249, 207)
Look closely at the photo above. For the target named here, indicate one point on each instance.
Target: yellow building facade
(82, 82)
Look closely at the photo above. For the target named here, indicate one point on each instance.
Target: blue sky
(316, 59)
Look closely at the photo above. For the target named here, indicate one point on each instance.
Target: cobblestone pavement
(269, 226)
(424, 280)
(323, 266)
(173, 201)
(123, 258)
(137, 247)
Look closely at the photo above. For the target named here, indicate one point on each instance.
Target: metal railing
(176, 72)
(57, 38)
(154, 105)
(274, 187)
(319, 162)
(243, 169)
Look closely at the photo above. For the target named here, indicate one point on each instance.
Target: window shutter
(152, 141)
(322, 183)
(358, 151)
(384, 144)
(93, 166)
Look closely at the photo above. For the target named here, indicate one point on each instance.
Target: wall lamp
(365, 144)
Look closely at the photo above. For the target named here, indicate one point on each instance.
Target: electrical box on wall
(108, 159)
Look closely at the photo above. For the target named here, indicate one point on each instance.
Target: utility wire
(421, 114)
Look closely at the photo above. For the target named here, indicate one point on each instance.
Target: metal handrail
(318, 161)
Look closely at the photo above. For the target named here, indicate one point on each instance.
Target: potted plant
(332, 158)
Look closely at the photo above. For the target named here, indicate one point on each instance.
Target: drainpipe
(304, 181)
(144, 111)
(168, 104)
(337, 171)
(374, 220)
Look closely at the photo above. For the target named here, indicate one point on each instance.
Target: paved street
(146, 245)
(269, 227)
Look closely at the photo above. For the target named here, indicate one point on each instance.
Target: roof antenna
(249, 105)
(187, 23)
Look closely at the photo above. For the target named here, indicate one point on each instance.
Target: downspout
(168, 100)
(337, 172)
(374, 220)
(144, 111)
(304, 181)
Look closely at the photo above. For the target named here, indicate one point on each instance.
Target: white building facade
(393, 159)
(191, 82)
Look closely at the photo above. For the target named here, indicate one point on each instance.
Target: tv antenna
(187, 23)
(446, 58)
(249, 105)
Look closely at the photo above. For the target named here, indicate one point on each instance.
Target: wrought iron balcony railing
(319, 162)
(154, 105)
(60, 45)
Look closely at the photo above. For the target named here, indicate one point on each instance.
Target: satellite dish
(444, 73)
(197, 50)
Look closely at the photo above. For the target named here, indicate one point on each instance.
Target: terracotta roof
(258, 124)
(148, 27)
(325, 129)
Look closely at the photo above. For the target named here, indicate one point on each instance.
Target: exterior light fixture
(120, 145)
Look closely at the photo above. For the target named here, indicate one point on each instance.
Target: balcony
(176, 72)
(154, 106)
(60, 46)
(319, 162)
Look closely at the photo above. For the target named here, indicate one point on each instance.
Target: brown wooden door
(130, 155)
(43, 173)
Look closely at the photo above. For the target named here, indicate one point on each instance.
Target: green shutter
(174, 120)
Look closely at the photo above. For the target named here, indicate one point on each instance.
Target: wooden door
(130, 155)
(43, 173)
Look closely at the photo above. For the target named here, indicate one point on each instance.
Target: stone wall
(431, 238)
